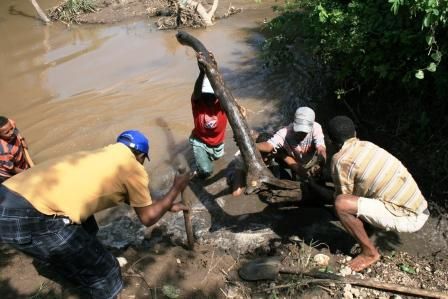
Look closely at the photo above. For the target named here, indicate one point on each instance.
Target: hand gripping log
(258, 178)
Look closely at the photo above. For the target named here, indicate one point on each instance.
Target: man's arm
(149, 215)
(295, 166)
(25, 150)
(264, 147)
(198, 85)
(322, 152)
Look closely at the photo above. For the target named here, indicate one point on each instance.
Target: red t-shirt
(210, 122)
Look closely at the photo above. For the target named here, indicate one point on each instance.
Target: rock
(365, 294)
(321, 259)
(221, 203)
(355, 292)
(427, 268)
(348, 295)
(122, 261)
(232, 292)
(277, 244)
(178, 261)
(348, 258)
(345, 270)
(122, 232)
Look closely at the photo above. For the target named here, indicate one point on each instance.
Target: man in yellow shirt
(42, 209)
(372, 186)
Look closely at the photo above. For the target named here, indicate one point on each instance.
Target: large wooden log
(258, 178)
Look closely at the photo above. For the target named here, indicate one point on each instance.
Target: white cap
(304, 120)
(206, 86)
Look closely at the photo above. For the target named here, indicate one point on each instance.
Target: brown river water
(76, 88)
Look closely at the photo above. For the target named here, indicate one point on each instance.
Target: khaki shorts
(374, 211)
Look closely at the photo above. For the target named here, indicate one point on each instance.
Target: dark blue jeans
(68, 248)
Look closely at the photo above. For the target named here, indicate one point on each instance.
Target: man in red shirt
(210, 121)
(14, 157)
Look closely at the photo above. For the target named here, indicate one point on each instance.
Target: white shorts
(374, 211)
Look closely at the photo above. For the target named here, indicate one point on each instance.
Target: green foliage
(70, 9)
(171, 291)
(388, 60)
(366, 40)
(406, 268)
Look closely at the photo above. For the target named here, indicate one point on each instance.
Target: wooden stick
(187, 214)
(395, 288)
(187, 219)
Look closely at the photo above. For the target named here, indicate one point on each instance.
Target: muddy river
(76, 88)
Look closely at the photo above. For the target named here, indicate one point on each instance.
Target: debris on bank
(170, 14)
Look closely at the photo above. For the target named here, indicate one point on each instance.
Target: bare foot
(237, 192)
(363, 261)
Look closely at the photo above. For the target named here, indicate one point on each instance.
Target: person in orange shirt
(42, 210)
(14, 157)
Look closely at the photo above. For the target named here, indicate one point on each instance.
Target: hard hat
(136, 140)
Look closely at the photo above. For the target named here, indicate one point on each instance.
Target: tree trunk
(40, 12)
(258, 178)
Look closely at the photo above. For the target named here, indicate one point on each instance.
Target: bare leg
(238, 182)
(346, 209)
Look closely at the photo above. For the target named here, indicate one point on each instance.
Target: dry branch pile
(171, 14)
(176, 16)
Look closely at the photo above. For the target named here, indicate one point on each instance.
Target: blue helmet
(136, 140)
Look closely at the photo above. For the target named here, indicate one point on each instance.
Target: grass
(68, 11)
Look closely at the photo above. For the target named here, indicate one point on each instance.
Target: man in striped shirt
(301, 144)
(372, 186)
(13, 155)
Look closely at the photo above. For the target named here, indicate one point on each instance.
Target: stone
(321, 259)
(122, 261)
(348, 295)
(345, 270)
(355, 292)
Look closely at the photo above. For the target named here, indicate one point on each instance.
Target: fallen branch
(369, 283)
(258, 177)
(40, 12)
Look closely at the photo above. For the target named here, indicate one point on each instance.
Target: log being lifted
(259, 178)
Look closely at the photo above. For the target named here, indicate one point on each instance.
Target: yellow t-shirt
(81, 184)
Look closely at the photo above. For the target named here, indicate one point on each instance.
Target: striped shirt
(303, 150)
(12, 155)
(364, 169)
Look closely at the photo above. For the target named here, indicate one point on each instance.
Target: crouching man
(42, 209)
(371, 186)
